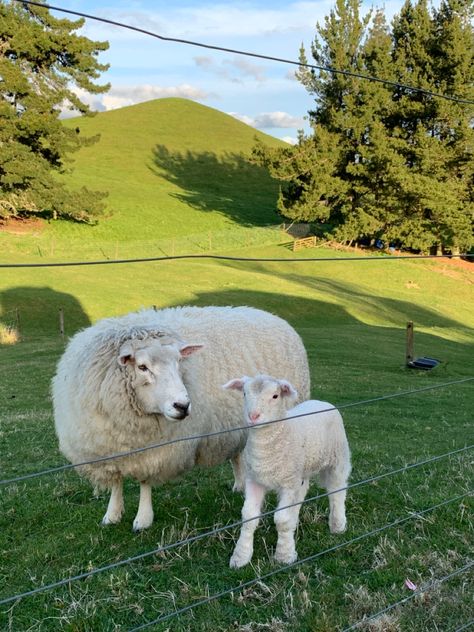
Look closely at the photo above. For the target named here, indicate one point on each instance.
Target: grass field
(179, 182)
(352, 318)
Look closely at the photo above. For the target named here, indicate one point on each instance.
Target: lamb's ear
(188, 350)
(287, 390)
(126, 354)
(237, 384)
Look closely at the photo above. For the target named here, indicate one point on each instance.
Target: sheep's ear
(126, 354)
(237, 384)
(287, 390)
(188, 350)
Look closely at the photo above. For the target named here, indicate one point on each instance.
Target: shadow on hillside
(349, 357)
(393, 311)
(35, 310)
(228, 184)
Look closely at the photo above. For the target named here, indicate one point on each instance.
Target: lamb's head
(265, 398)
(154, 375)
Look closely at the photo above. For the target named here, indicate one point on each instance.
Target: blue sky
(261, 93)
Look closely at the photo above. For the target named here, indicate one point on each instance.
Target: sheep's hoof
(141, 525)
(109, 519)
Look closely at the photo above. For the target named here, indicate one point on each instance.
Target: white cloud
(119, 97)
(267, 120)
(223, 69)
(290, 140)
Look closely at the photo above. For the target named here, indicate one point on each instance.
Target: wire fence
(207, 435)
(212, 532)
(426, 587)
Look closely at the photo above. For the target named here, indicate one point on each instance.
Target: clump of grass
(9, 335)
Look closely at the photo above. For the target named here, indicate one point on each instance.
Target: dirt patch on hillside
(16, 226)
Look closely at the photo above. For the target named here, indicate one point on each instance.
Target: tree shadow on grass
(35, 311)
(229, 184)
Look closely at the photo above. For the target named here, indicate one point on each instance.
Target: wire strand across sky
(234, 51)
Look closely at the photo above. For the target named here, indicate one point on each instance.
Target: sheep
(153, 376)
(283, 456)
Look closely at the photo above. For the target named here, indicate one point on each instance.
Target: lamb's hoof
(238, 487)
(238, 560)
(286, 557)
(337, 526)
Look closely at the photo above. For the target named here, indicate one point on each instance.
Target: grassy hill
(170, 164)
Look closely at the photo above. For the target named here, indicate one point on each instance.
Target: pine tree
(42, 59)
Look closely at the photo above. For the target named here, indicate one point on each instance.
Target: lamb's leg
(254, 495)
(286, 521)
(144, 517)
(239, 475)
(335, 479)
(115, 508)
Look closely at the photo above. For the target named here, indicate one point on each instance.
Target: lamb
(283, 456)
(153, 376)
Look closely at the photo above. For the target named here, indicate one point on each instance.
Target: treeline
(384, 162)
(44, 65)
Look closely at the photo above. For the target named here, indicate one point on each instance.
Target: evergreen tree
(41, 60)
(384, 161)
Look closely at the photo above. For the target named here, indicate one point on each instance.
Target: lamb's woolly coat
(283, 456)
(94, 409)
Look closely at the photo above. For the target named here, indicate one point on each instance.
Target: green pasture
(352, 317)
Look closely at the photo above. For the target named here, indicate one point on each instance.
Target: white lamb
(283, 456)
(151, 377)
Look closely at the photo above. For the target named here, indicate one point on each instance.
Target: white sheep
(283, 456)
(153, 376)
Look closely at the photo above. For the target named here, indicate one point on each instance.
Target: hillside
(171, 165)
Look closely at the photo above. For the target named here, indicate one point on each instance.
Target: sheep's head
(154, 374)
(265, 398)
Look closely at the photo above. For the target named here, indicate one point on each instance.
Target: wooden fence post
(17, 320)
(409, 346)
(61, 322)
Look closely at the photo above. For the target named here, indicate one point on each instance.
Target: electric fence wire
(101, 262)
(309, 558)
(321, 68)
(217, 530)
(465, 626)
(68, 466)
(428, 586)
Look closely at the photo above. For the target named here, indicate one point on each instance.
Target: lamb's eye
(275, 396)
(142, 367)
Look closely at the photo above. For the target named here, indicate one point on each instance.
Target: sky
(260, 93)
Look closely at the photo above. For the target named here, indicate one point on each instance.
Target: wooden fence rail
(306, 242)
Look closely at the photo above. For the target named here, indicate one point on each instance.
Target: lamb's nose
(254, 416)
(181, 408)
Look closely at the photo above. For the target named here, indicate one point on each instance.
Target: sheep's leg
(254, 495)
(115, 508)
(333, 480)
(286, 521)
(238, 468)
(144, 517)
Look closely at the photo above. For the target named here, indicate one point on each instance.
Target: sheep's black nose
(181, 408)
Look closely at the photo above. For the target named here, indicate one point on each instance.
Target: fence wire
(238, 523)
(329, 69)
(427, 586)
(68, 466)
(100, 262)
(310, 558)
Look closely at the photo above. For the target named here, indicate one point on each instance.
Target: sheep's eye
(275, 396)
(142, 367)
